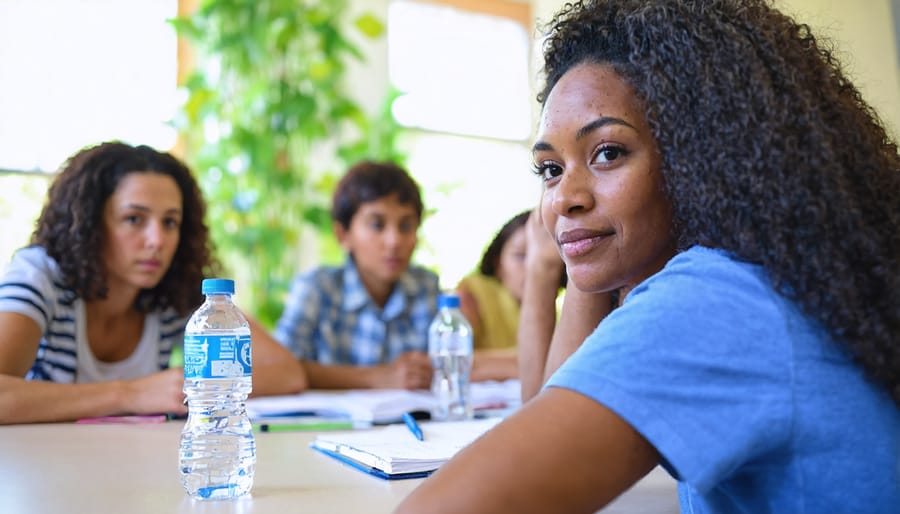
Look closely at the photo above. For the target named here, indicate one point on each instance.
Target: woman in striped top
(91, 309)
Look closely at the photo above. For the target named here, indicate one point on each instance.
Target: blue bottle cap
(448, 300)
(217, 285)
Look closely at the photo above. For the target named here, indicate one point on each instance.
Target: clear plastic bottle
(217, 457)
(450, 349)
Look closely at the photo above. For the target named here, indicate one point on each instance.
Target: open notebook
(377, 405)
(392, 452)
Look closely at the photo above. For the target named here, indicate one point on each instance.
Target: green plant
(268, 124)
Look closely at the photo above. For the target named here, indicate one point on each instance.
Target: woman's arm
(537, 316)
(23, 401)
(562, 452)
(543, 343)
(540, 353)
(275, 370)
(580, 315)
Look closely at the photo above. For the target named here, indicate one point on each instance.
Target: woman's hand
(156, 393)
(542, 253)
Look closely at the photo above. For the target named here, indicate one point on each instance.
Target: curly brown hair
(768, 151)
(70, 226)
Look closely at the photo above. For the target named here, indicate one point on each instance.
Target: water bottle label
(216, 356)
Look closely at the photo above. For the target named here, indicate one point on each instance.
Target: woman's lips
(151, 265)
(578, 242)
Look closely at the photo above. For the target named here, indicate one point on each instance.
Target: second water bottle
(450, 349)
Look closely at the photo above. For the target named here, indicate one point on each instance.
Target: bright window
(76, 73)
(459, 71)
(80, 72)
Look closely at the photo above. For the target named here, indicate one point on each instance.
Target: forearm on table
(24, 401)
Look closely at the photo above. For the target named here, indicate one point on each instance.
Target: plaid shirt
(330, 318)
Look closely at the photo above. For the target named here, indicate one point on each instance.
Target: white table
(133, 469)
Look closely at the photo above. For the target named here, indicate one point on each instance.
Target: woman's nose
(153, 234)
(573, 192)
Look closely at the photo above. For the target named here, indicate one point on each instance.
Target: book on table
(393, 452)
(377, 405)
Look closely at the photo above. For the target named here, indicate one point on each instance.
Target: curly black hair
(70, 226)
(768, 151)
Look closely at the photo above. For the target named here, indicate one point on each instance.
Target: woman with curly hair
(710, 160)
(90, 311)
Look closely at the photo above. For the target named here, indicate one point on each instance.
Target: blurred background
(269, 101)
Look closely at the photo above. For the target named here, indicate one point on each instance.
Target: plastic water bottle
(450, 349)
(218, 453)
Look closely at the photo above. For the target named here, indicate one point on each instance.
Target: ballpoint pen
(413, 426)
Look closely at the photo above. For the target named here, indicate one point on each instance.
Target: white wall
(863, 32)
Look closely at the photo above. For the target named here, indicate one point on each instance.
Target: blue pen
(413, 426)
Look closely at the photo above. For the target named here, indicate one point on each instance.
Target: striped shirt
(32, 286)
(330, 318)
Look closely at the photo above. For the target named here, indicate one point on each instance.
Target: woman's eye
(547, 170)
(132, 219)
(609, 154)
(172, 223)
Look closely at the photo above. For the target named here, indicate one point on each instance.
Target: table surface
(117, 468)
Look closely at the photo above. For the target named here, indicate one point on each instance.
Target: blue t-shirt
(752, 406)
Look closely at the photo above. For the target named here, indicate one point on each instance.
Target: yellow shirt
(499, 312)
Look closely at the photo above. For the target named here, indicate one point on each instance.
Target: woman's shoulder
(33, 266)
(481, 286)
(707, 291)
(707, 272)
(32, 286)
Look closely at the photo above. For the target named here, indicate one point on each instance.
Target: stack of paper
(393, 452)
(376, 405)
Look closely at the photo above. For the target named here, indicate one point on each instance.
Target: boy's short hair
(368, 181)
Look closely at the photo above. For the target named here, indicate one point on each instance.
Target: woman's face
(603, 197)
(141, 220)
(511, 266)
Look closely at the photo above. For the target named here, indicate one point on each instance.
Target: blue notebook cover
(370, 470)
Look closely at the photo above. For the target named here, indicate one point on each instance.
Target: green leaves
(370, 26)
(268, 124)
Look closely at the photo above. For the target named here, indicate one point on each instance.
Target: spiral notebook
(392, 452)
